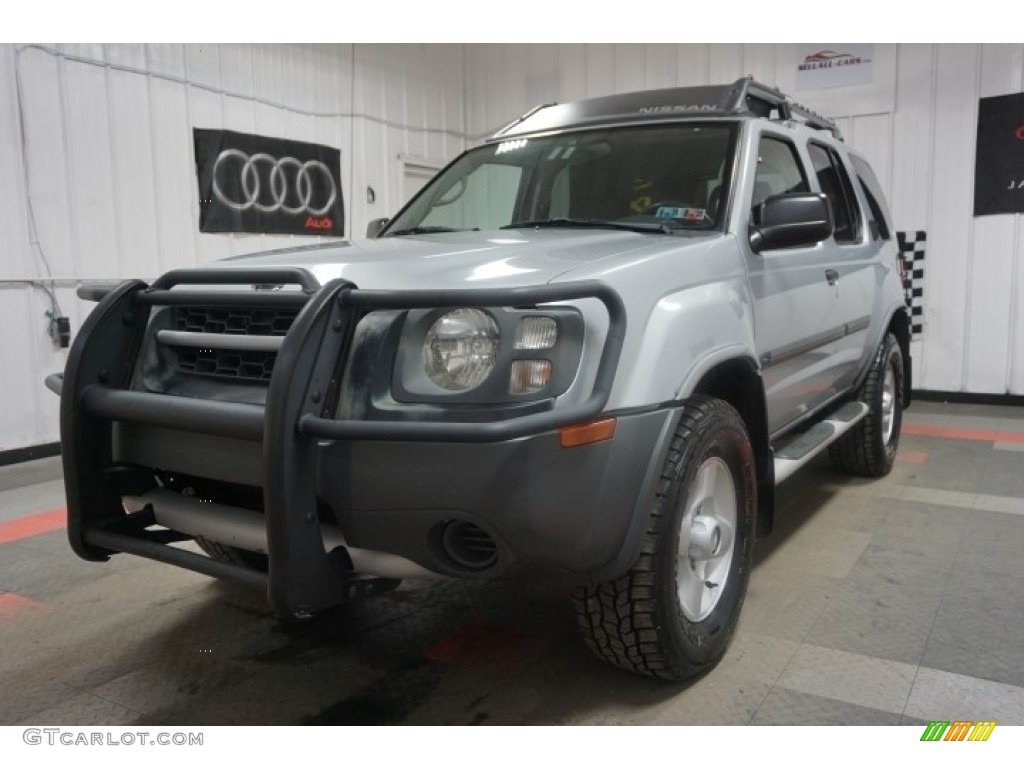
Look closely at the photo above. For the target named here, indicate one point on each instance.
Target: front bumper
(387, 484)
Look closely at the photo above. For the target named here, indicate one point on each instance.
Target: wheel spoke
(690, 585)
(703, 490)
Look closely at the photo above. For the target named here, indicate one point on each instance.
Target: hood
(497, 259)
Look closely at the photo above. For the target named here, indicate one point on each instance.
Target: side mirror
(790, 221)
(374, 227)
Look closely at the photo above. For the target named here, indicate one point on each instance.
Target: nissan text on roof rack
(586, 353)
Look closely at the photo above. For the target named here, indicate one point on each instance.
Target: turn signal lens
(536, 333)
(529, 376)
(584, 434)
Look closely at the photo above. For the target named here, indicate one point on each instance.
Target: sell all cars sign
(250, 183)
(999, 159)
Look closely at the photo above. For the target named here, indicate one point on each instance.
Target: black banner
(999, 167)
(251, 183)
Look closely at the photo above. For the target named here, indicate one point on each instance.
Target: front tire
(869, 449)
(673, 614)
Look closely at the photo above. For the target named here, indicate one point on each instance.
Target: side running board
(799, 449)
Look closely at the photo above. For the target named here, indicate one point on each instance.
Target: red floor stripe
(912, 457)
(984, 435)
(14, 606)
(33, 525)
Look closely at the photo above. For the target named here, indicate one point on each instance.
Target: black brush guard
(302, 577)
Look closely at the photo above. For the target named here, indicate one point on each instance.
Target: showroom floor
(896, 601)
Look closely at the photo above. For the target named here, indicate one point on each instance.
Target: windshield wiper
(430, 230)
(638, 226)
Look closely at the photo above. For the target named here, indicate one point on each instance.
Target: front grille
(242, 365)
(214, 353)
(241, 320)
(236, 365)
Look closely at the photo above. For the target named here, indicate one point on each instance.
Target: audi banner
(250, 183)
(999, 165)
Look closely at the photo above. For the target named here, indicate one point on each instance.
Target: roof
(744, 98)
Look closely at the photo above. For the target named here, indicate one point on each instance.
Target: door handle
(832, 276)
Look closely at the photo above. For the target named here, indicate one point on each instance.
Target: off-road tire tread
(619, 619)
(857, 452)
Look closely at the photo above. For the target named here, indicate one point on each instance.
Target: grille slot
(229, 361)
(249, 365)
(264, 321)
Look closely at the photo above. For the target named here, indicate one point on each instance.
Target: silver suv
(586, 351)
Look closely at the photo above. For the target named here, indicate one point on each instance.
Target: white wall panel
(692, 63)
(601, 67)
(45, 153)
(111, 168)
(950, 223)
(134, 200)
(872, 136)
(1016, 374)
(165, 59)
(13, 203)
(174, 189)
(760, 61)
(89, 167)
(725, 63)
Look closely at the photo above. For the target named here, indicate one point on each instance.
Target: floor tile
(785, 707)
(885, 609)
(849, 677)
(940, 695)
(84, 709)
(979, 627)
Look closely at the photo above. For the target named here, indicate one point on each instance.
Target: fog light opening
(468, 546)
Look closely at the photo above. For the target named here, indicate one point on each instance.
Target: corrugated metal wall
(916, 122)
(110, 171)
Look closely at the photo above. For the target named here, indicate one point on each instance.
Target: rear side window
(835, 183)
(779, 171)
(873, 194)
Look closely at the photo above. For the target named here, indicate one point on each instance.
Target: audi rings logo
(266, 185)
(270, 185)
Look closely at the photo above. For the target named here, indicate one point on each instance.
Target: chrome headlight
(460, 349)
(485, 355)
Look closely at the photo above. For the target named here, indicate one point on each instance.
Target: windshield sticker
(675, 212)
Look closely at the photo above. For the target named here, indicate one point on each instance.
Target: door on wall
(416, 172)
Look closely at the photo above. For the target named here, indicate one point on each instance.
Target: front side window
(836, 186)
(650, 178)
(779, 172)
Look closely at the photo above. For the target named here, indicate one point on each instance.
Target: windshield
(664, 178)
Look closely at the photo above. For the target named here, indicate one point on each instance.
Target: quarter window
(836, 186)
(873, 194)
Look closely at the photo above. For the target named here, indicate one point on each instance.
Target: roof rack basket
(747, 89)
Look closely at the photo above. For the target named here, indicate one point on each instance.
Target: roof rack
(747, 88)
(745, 96)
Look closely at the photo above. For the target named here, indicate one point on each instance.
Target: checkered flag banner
(912, 246)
